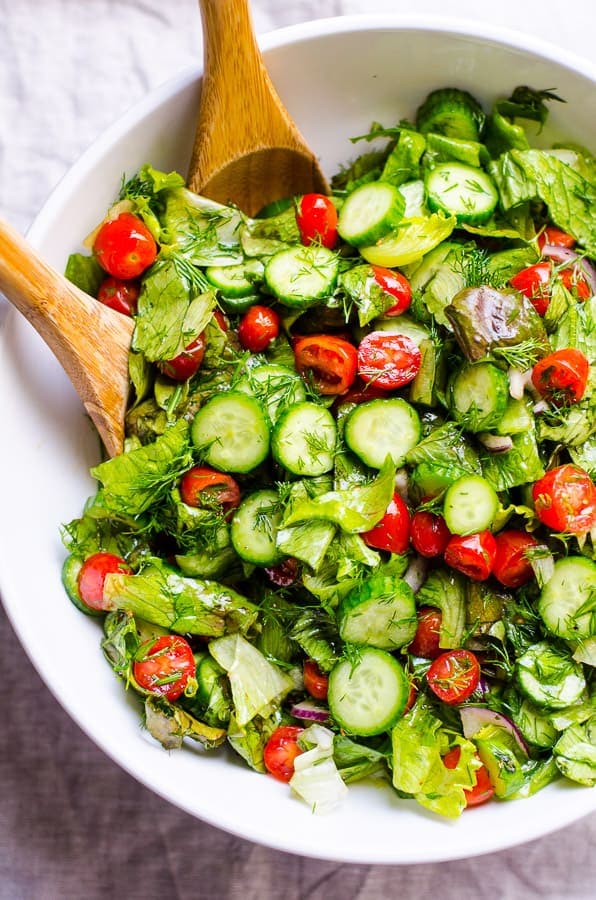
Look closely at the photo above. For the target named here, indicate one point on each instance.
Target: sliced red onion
(540, 407)
(474, 718)
(564, 255)
(310, 712)
(415, 574)
(496, 443)
(402, 484)
(517, 382)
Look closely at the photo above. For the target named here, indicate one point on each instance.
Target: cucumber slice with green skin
(452, 112)
(380, 612)
(470, 505)
(236, 282)
(70, 581)
(462, 191)
(277, 387)
(517, 418)
(301, 276)
(368, 696)
(535, 727)
(231, 431)
(478, 395)
(501, 754)
(237, 305)
(370, 213)
(568, 600)
(549, 677)
(304, 439)
(380, 428)
(409, 243)
(254, 529)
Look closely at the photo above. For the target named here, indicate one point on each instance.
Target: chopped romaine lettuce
(316, 779)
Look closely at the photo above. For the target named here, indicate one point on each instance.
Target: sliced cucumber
(535, 726)
(568, 600)
(231, 431)
(254, 528)
(236, 282)
(377, 429)
(276, 386)
(301, 276)
(478, 394)
(549, 677)
(70, 577)
(380, 611)
(462, 191)
(411, 241)
(452, 112)
(367, 696)
(370, 213)
(304, 439)
(403, 324)
(470, 505)
(517, 418)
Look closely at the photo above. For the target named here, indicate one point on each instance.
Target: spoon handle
(90, 341)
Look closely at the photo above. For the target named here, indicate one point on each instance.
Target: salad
(352, 531)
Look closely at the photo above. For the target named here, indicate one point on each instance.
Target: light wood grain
(90, 340)
(247, 150)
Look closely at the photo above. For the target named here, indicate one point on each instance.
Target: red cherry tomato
(535, 283)
(511, 566)
(164, 666)
(413, 694)
(395, 284)
(454, 676)
(204, 487)
(390, 360)
(315, 681)
(281, 750)
(258, 327)
(482, 790)
(565, 500)
(119, 295)
(360, 393)
(472, 554)
(124, 246)
(554, 237)
(426, 639)
(222, 320)
(93, 574)
(562, 376)
(284, 573)
(184, 366)
(317, 220)
(429, 534)
(328, 361)
(392, 533)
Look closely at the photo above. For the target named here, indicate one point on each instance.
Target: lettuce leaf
(203, 232)
(520, 465)
(316, 779)
(249, 740)
(446, 590)
(85, 273)
(170, 724)
(357, 761)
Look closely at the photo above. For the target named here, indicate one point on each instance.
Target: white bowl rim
(272, 40)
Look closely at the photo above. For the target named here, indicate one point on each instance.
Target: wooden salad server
(90, 340)
(247, 150)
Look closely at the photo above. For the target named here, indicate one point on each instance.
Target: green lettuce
(357, 761)
(316, 779)
(575, 753)
(520, 465)
(403, 162)
(170, 724)
(85, 273)
(446, 590)
(249, 740)
(203, 232)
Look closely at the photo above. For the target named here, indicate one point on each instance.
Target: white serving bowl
(336, 76)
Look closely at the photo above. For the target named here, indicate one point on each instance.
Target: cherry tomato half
(562, 376)
(472, 554)
(258, 327)
(535, 282)
(482, 790)
(565, 500)
(426, 639)
(124, 246)
(315, 681)
(281, 750)
(119, 295)
(554, 237)
(392, 533)
(204, 487)
(390, 360)
(429, 534)
(454, 676)
(317, 220)
(396, 285)
(184, 366)
(93, 574)
(328, 361)
(164, 666)
(511, 566)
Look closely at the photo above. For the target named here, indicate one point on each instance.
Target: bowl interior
(336, 77)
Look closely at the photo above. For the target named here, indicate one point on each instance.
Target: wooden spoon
(247, 150)
(90, 340)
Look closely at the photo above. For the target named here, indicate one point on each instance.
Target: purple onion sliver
(564, 254)
(415, 574)
(473, 718)
(310, 712)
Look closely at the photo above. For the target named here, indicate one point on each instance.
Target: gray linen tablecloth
(72, 824)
